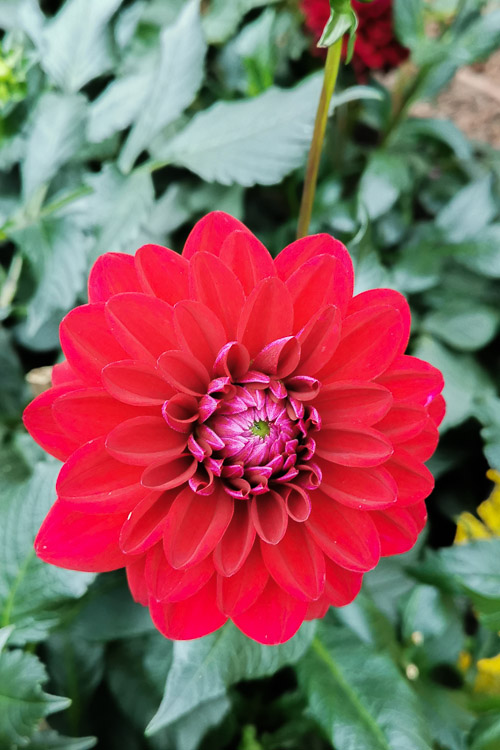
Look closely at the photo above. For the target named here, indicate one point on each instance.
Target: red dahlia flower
(241, 434)
(376, 47)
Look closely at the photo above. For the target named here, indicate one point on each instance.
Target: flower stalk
(329, 82)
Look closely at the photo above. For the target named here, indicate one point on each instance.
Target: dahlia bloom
(376, 47)
(240, 433)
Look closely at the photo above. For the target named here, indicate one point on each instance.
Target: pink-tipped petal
(216, 286)
(181, 411)
(195, 525)
(274, 618)
(78, 541)
(234, 547)
(248, 258)
(232, 361)
(296, 563)
(280, 358)
(266, 316)
(112, 273)
(163, 273)
(136, 383)
(142, 324)
(347, 537)
(144, 440)
(87, 342)
(199, 331)
(184, 372)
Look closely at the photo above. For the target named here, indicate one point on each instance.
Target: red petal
(195, 525)
(90, 412)
(232, 361)
(238, 539)
(274, 618)
(313, 286)
(163, 273)
(112, 273)
(424, 444)
(397, 530)
(180, 412)
(88, 343)
(403, 422)
(217, 287)
(166, 584)
(167, 474)
(280, 358)
(248, 258)
(318, 340)
(184, 372)
(144, 525)
(369, 343)
(352, 403)
(298, 503)
(359, 446)
(296, 563)
(299, 252)
(143, 325)
(97, 482)
(412, 380)
(419, 514)
(266, 316)
(41, 424)
(136, 383)
(144, 440)
(209, 233)
(342, 586)
(415, 481)
(136, 580)
(318, 609)
(437, 410)
(199, 331)
(377, 297)
(190, 618)
(77, 541)
(363, 489)
(346, 536)
(62, 374)
(269, 516)
(238, 592)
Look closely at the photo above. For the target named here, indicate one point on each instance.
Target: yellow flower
(488, 676)
(488, 524)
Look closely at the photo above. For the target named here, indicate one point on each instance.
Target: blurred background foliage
(121, 123)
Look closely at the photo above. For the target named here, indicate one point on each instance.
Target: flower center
(260, 428)
(255, 437)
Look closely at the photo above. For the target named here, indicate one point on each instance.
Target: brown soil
(472, 101)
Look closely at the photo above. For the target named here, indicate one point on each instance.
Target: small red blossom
(376, 47)
(240, 433)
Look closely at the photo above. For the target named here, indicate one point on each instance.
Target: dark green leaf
(468, 212)
(202, 670)
(463, 324)
(358, 695)
(50, 740)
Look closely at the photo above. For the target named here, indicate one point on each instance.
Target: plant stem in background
(330, 79)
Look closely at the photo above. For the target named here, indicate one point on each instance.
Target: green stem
(330, 79)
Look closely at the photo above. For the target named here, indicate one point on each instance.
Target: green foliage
(121, 123)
